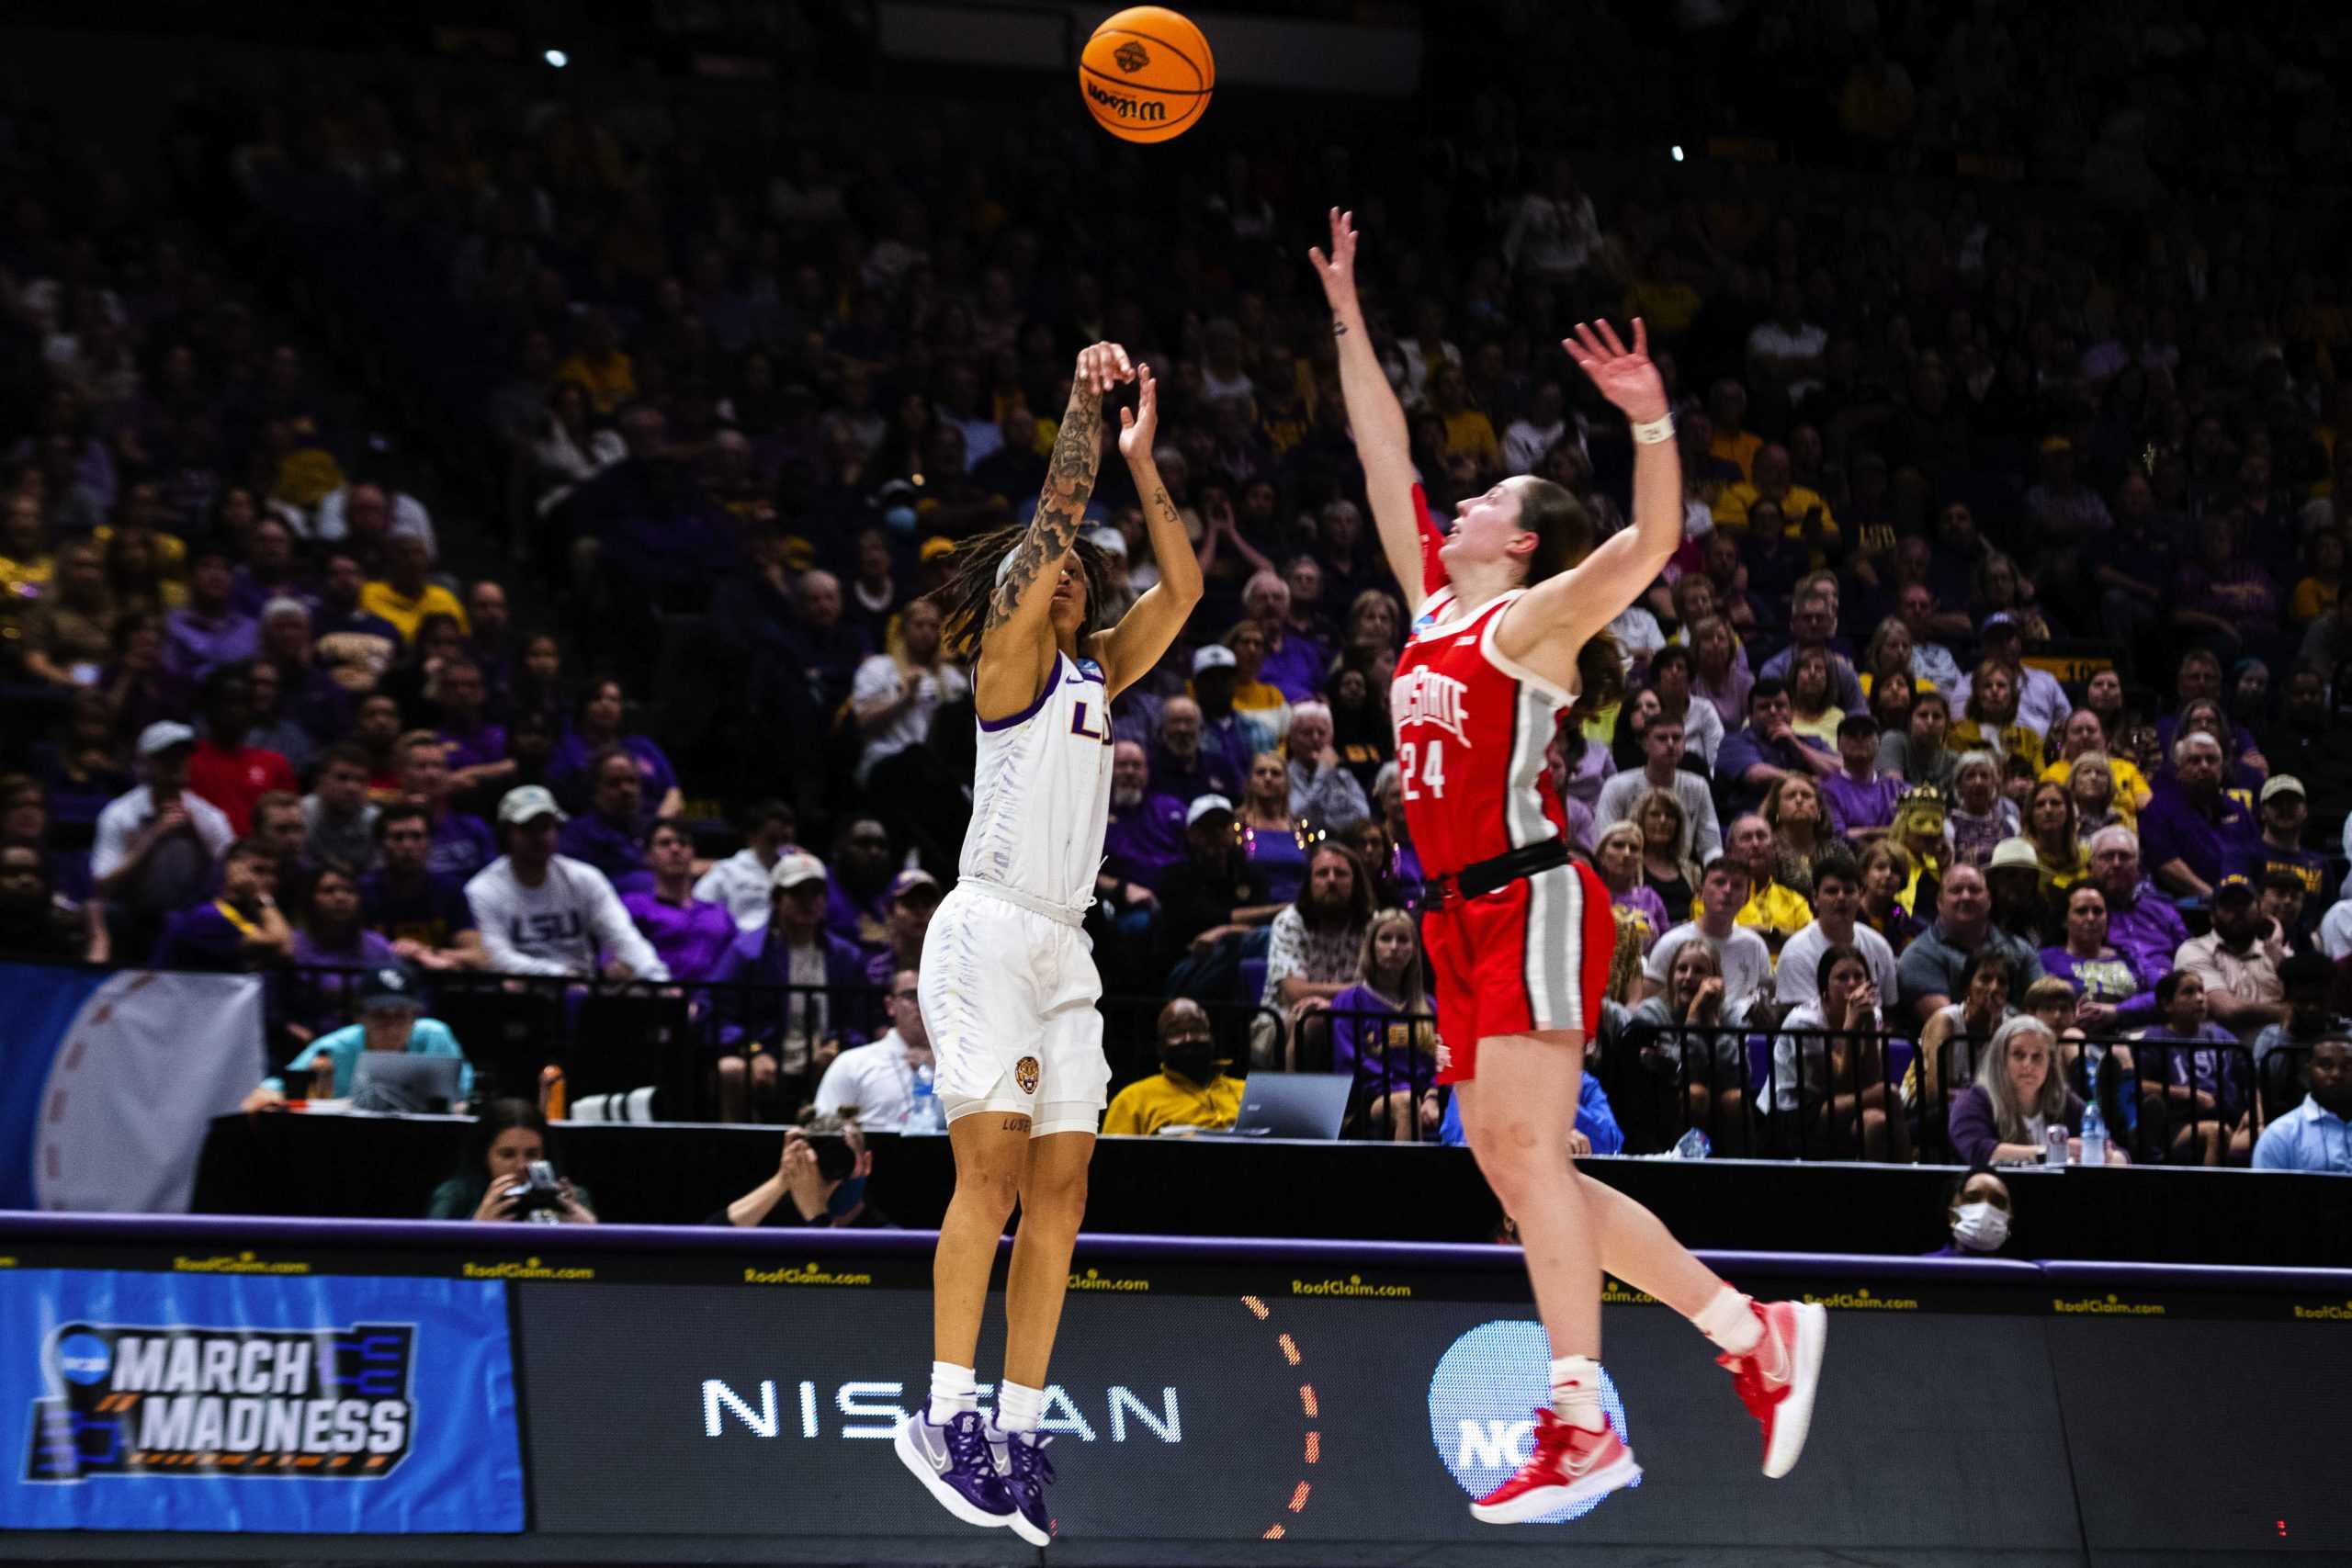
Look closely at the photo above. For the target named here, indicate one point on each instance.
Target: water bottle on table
(2094, 1133)
(924, 1114)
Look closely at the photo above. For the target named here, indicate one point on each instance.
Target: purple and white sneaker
(956, 1464)
(1021, 1459)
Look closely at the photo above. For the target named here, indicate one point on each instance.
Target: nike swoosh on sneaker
(1781, 1370)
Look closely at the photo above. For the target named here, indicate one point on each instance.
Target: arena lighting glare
(1678, 153)
(558, 58)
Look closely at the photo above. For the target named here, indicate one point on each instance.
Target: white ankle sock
(1575, 1391)
(1019, 1408)
(952, 1392)
(1729, 1319)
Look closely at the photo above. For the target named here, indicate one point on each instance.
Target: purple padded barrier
(339, 1234)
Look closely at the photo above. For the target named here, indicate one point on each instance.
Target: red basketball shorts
(1531, 955)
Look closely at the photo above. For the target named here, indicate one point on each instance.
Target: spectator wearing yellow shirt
(2084, 734)
(1774, 911)
(404, 595)
(25, 564)
(1190, 1089)
(1773, 483)
(1729, 439)
(602, 369)
(1469, 432)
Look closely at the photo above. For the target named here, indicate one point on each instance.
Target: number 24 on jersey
(1431, 772)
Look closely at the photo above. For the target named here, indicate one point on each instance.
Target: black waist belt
(1484, 876)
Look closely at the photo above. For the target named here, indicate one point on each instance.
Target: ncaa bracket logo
(1483, 1400)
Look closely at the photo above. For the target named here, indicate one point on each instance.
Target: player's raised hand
(1103, 365)
(1624, 376)
(1140, 425)
(1336, 267)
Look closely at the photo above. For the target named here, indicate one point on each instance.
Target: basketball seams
(1130, 84)
(1132, 105)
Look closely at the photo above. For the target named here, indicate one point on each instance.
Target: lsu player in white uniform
(1009, 984)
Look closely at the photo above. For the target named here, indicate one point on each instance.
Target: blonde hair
(1412, 991)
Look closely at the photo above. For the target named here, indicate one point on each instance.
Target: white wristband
(1656, 430)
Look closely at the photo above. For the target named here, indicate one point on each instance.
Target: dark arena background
(417, 422)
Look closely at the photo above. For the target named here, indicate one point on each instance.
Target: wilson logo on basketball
(1127, 107)
(1131, 57)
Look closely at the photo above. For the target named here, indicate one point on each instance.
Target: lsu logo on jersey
(1424, 696)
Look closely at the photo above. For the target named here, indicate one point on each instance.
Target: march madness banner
(227, 1402)
(108, 1079)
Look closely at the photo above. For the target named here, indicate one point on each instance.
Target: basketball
(1147, 74)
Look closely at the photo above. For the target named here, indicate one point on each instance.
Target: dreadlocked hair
(963, 599)
(1563, 532)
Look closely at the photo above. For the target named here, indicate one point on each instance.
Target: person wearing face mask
(1191, 1089)
(1977, 1208)
(2316, 1134)
(820, 1184)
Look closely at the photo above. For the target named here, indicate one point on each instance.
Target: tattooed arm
(1129, 651)
(1017, 634)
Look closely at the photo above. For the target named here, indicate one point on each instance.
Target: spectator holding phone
(493, 1181)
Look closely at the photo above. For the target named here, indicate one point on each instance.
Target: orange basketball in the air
(1145, 75)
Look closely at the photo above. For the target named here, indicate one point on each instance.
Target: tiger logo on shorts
(1025, 1073)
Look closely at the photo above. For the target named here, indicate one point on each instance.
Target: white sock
(952, 1392)
(1575, 1391)
(1019, 1407)
(1729, 1319)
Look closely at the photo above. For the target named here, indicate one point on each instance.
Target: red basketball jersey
(1471, 731)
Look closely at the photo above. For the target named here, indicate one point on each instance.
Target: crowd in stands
(2001, 674)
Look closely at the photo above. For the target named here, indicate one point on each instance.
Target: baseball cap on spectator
(799, 555)
(284, 604)
(2235, 885)
(2000, 620)
(914, 881)
(1213, 655)
(935, 547)
(1206, 805)
(388, 989)
(2014, 854)
(794, 870)
(2056, 443)
(526, 803)
(163, 734)
(2285, 783)
(1109, 541)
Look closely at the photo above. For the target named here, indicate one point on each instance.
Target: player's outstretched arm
(1375, 415)
(1017, 634)
(1574, 606)
(1129, 651)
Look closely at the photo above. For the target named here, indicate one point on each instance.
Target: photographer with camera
(507, 1173)
(819, 1185)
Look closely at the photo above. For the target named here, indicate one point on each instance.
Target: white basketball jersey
(1041, 792)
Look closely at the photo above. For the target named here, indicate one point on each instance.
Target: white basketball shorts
(1008, 998)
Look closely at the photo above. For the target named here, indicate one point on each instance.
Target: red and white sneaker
(1777, 1379)
(1569, 1465)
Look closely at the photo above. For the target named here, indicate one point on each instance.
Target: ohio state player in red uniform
(1508, 639)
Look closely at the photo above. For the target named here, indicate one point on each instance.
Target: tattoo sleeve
(1070, 481)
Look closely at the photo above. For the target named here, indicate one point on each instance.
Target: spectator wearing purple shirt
(608, 835)
(2190, 823)
(1145, 835)
(599, 725)
(857, 899)
(1183, 765)
(2141, 923)
(333, 937)
(914, 898)
(1384, 1031)
(2203, 1100)
(270, 571)
(208, 631)
(476, 751)
(1861, 799)
(240, 929)
(462, 844)
(426, 917)
(691, 936)
(2108, 988)
(1765, 750)
(1617, 860)
(1293, 663)
(2223, 592)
